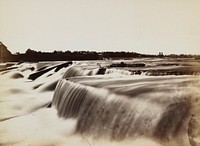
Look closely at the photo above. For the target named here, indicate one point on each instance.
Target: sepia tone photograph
(99, 73)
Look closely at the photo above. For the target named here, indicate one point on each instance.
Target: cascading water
(99, 105)
(80, 71)
(74, 71)
(104, 113)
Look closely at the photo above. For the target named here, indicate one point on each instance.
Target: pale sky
(143, 26)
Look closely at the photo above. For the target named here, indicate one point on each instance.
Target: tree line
(34, 56)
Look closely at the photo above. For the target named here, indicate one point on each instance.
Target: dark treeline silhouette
(35, 56)
(31, 55)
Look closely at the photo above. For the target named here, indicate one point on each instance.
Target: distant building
(5, 54)
(160, 54)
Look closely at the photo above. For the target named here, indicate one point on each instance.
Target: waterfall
(74, 71)
(101, 112)
(80, 71)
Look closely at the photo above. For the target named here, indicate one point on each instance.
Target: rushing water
(101, 102)
(151, 107)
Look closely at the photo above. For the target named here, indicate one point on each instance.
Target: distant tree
(29, 51)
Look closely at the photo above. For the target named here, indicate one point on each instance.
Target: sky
(143, 26)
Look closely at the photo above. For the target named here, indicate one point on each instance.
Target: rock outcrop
(5, 54)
